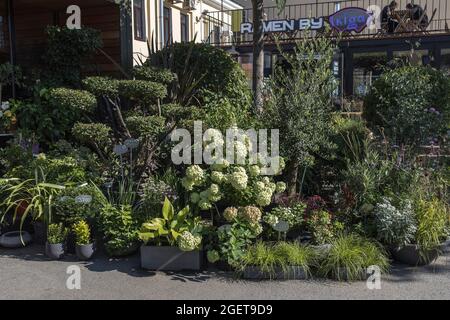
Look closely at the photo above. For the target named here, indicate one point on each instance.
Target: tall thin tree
(258, 50)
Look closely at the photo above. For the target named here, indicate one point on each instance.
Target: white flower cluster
(189, 242)
(194, 177)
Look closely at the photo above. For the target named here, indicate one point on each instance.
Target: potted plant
(414, 236)
(84, 246)
(282, 260)
(33, 198)
(171, 242)
(56, 236)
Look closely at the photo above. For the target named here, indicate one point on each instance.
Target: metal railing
(223, 27)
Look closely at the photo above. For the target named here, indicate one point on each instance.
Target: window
(421, 57)
(139, 20)
(184, 27)
(367, 67)
(167, 25)
(445, 60)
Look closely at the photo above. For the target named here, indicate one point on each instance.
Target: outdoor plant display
(84, 244)
(56, 237)
(282, 260)
(172, 241)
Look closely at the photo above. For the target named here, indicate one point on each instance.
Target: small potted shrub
(56, 236)
(414, 232)
(84, 246)
(171, 242)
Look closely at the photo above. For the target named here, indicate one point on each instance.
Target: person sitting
(416, 13)
(387, 17)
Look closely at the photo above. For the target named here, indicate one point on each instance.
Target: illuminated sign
(350, 19)
(285, 25)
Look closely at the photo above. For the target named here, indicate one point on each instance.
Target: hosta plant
(173, 229)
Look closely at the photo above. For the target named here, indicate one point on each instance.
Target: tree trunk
(292, 176)
(258, 54)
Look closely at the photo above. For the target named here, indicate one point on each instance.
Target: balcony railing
(224, 27)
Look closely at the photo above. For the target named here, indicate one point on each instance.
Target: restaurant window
(367, 67)
(184, 27)
(445, 60)
(167, 25)
(139, 20)
(420, 57)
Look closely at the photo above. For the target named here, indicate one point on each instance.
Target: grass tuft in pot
(350, 256)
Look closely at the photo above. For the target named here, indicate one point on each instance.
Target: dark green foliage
(142, 92)
(88, 133)
(145, 126)
(73, 101)
(153, 74)
(66, 50)
(409, 105)
(102, 86)
(208, 68)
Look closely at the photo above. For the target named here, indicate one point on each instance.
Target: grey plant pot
(291, 273)
(410, 254)
(84, 252)
(169, 259)
(54, 251)
(13, 239)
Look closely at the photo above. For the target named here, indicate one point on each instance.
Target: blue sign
(350, 19)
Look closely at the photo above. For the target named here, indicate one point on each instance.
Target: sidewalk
(27, 274)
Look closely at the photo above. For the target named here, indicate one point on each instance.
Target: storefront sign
(350, 19)
(285, 25)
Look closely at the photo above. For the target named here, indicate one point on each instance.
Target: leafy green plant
(409, 105)
(82, 233)
(141, 91)
(300, 104)
(29, 198)
(64, 61)
(56, 233)
(119, 229)
(350, 256)
(320, 224)
(167, 229)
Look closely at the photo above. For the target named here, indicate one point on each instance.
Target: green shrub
(153, 74)
(88, 133)
(119, 229)
(65, 52)
(145, 126)
(143, 92)
(410, 104)
(72, 101)
(102, 86)
(350, 256)
(82, 233)
(432, 223)
(56, 233)
(212, 68)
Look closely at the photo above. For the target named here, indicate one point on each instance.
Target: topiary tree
(409, 105)
(201, 68)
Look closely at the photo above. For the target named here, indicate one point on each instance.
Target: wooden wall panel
(30, 24)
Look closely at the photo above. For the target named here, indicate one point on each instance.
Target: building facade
(128, 27)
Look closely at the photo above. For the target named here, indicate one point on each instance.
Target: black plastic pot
(412, 255)
(291, 273)
(54, 251)
(169, 259)
(84, 252)
(40, 232)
